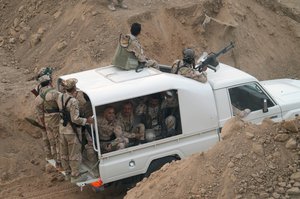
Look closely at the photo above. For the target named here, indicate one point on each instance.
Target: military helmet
(150, 135)
(188, 55)
(43, 78)
(44, 71)
(69, 83)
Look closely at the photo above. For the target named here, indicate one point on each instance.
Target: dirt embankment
(77, 35)
(252, 161)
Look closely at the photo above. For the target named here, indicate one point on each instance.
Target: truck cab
(203, 108)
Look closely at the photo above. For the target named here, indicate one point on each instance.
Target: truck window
(138, 120)
(248, 96)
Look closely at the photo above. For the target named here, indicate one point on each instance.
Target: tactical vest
(124, 59)
(49, 106)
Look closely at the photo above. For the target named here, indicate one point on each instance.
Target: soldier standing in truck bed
(70, 131)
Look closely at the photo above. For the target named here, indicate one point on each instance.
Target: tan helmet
(69, 83)
(150, 135)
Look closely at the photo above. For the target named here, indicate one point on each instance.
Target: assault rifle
(211, 59)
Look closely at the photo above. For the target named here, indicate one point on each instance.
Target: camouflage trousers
(46, 145)
(52, 130)
(70, 151)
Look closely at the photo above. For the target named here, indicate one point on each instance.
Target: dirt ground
(74, 35)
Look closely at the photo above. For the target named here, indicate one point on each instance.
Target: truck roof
(227, 76)
(107, 80)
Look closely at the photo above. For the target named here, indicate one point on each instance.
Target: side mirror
(265, 105)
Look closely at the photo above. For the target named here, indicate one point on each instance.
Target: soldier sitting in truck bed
(111, 137)
(135, 132)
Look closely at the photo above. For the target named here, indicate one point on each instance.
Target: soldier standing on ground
(70, 133)
(185, 67)
(111, 136)
(112, 5)
(129, 53)
(48, 114)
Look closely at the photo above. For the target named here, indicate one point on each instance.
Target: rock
(276, 195)
(24, 26)
(16, 22)
(35, 39)
(296, 184)
(258, 149)
(94, 13)
(290, 125)
(41, 31)
(293, 191)
(21, 8)
(263, 195)
(291, 144)
(1, 41)
(12, 40)
(22, 38)
(61, 46)
(296, 176)
(249, 135)
(57, 14)
(281, 137)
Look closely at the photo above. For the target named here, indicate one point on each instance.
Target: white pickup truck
(203, 110)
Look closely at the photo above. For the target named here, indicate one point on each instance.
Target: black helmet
(188, 55)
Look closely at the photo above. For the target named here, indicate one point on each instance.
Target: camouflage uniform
(46, 108)
(85, 110)
(188, 71)
(133, 56)
(170, 112)
(69, 142)
(129, 128)
(111, 136)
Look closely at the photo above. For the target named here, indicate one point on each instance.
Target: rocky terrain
(75, 35)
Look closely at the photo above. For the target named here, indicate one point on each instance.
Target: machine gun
(211, 59)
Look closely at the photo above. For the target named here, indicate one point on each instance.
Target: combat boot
(122, 5)
(112, 7)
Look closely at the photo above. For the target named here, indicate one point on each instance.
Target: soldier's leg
(121, 4)
(64, 154)
(46, 145)
(50, 133)
(57, 147)
(74, 150)
(90, 153)
(111, 5)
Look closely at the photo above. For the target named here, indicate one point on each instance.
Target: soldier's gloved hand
(90, 120)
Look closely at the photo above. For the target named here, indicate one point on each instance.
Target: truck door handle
(274, 116)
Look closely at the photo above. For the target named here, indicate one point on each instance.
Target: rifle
(211, 60)
(34, 123)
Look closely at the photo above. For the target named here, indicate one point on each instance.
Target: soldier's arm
(39, 109)
(105, 128)
(136, 49)
(74, 113)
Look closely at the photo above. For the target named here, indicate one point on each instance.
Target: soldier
(130, 128)
(170, 113)
(70, 133)
(129, 53)
(48, 114)
(186, 66)
(112, 5)
(111, 136)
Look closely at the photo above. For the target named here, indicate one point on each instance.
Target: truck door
(253, 103)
